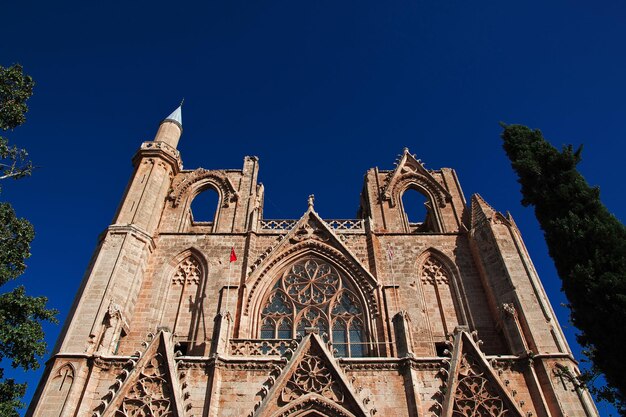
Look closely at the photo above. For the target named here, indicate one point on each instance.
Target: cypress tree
(588, 246)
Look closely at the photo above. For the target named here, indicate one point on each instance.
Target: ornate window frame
(198, 180)
(187, 185)
(311, 292)
(457, 289)
(259, 282)
(173, 277)
(433, 213)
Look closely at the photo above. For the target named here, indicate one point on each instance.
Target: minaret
(155, 163)
(101, 311)
(171, 128)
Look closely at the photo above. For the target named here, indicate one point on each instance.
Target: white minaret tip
(176, 116)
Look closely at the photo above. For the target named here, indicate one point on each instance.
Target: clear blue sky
(319, 90)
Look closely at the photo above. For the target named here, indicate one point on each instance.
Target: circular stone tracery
(311, 283)
(312, 293)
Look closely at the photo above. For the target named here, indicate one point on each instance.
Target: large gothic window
(183, 311)
(312, 293)
(439, 297)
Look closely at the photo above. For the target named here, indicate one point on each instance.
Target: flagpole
(393, 276)
(230, 264)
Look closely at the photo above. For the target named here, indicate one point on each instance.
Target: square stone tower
(379, 315)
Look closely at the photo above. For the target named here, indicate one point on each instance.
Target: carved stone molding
(161, 150)
(261, 347)
(65, 371)
(127, 368)
(472, 386)
(184, 365)
(328, 252)
(475, 395)
(114, 310)
(438, 193)
(311, 376)
(310, 380)
(371, 366)
(218, 179)
(248, 365)
(566, 377)
(187, 272)
(502, 365)
(434, 272)
(317, 403)
(508, 309)
(150, 396)
(265, 254)
(410, 170)
(309, 230)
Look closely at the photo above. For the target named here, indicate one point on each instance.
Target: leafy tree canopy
(588, 246)
(21, 316)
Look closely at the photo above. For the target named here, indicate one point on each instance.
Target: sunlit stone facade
(376, 315)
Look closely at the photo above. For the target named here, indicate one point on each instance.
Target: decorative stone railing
(261, 347)
(341, 225)
(277, 225)
(345, 224)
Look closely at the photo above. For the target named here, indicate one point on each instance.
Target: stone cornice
(129, 229)
(162, 150)
(218, 178)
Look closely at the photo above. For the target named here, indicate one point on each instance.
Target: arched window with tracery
(183, 311)
(439, 295)
(313, 293)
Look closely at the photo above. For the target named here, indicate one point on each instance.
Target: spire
(171, 127)
(177, 115)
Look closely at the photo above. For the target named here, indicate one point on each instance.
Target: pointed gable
(311, 380)
(151, 387)
(310, 234)
(473, 387)
(412, 170)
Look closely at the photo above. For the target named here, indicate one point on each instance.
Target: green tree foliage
(21, 316)
(588, 246)
(15, 89)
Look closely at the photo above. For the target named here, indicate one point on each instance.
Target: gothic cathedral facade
(247, 316)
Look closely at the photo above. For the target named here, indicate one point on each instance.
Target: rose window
(311, 282)
(312, 293)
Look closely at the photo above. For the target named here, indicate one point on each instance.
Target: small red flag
(233, 257)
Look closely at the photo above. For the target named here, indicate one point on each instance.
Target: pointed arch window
(312, 293)
(183, 311)
(204, 207)
(440, 299)
(418, 211)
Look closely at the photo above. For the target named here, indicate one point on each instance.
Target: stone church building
(254, 317)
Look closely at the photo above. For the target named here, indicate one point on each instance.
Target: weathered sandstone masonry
(378, 315)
